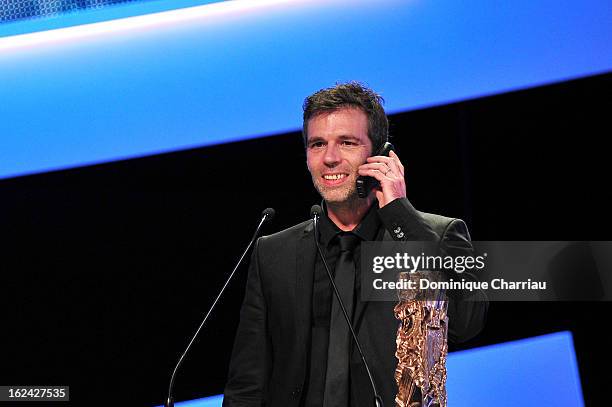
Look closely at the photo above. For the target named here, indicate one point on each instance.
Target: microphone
(266, 215)
(315, 213)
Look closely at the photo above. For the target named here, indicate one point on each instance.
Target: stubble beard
(345, 195)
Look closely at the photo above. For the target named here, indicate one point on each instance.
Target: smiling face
(337, 145)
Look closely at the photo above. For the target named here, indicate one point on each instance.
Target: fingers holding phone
(389, 172)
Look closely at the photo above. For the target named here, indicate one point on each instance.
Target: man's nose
(332, 155)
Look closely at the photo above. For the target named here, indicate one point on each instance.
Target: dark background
(105, 271)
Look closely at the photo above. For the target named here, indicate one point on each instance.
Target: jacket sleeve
(248, 370)
(466, 311)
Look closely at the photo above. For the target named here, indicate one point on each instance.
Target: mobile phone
(365, 184)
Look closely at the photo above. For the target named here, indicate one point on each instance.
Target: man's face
(337, 145)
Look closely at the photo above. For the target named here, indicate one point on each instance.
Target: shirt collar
(366, 230)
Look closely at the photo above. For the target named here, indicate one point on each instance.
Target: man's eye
(348, 143)
(317, 144)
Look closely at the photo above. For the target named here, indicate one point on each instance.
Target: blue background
(244, 73)
(533, 372)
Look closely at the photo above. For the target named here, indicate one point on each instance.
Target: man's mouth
(334, 176)
(334, 179)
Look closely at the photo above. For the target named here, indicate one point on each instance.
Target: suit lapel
(305, 264)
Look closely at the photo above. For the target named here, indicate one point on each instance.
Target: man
(292, 347)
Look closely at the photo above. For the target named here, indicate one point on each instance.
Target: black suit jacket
(271, 349)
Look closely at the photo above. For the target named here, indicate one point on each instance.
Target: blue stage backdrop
(232, 70)
(533, 372)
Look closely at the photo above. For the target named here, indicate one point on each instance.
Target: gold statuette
(422, 346)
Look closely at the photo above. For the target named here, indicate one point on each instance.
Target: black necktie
(337, 378)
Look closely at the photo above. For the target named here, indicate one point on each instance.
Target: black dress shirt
(369, 229)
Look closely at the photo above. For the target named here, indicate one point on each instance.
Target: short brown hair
(349, 94)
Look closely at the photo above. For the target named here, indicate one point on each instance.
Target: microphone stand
(267, 214)
(315, 212)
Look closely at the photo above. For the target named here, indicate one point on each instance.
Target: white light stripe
(136, 22)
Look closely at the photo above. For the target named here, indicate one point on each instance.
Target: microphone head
(315, 210)
(268, 213)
